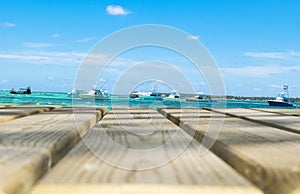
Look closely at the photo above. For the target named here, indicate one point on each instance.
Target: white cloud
(288, 55)
(272, 55)
(38, 45)
(7, 25)
(55, 36)
(57, 54)
(50, 78)
(116, 10)
(84, 40)
(193, 37)
(259, 71)
(60, 58)
(72, 58)
(22, 57)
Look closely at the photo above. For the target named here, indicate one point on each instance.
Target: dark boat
(280, 103)
(21, 91)
(282, 99)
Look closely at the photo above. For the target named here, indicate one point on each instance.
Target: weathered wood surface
(20, 168)
(284, 122)
(8, 113)
(290, 112)
(265, 155)
(152, 157)
(4, 105)
(29, 146)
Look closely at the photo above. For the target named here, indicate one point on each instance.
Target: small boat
(95, 94)
(21, 91)
(174, 96)
(137, 94)
(282, 99)
(199, 98)
(151, 95)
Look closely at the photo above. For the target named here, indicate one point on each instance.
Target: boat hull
(150, 97)
(21, 91)
(173, 99)
(282, 104)
(92, 97)
(197, 100)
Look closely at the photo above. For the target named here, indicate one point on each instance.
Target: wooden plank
(268, 157)
(102, 109)
(54, 117)
(290, 112)
(284, 122)
(4, 105)
(140, 188)
(42, 130)
(40, 140)
(20, 168)
(14, 112)
(95, 165)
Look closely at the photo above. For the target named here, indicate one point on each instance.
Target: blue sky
(255, 43)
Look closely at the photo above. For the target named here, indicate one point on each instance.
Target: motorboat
(136, 94)
(152, 95)
(95, 94)
(199, 98)
(174, 96)
(282, 99)
(21, 91)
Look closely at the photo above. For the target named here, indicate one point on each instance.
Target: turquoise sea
(62, 99)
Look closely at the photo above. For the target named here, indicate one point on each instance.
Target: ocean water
(62, 99)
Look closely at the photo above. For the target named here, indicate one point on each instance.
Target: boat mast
(286, 91)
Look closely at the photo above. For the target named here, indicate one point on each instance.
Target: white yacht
(152, 95)
(282, 99)
(174, 96)
(95, 94)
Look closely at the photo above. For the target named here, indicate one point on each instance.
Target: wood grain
(4, 105)
(95, 165)
(20, 168)
(284, 122)
(8, 113)
(290, 112)
(267, 156)
(31, 145)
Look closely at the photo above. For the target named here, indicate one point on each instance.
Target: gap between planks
(9, 113)
(28, 152)
(83, 171)
(266, 156)
(279, 121)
